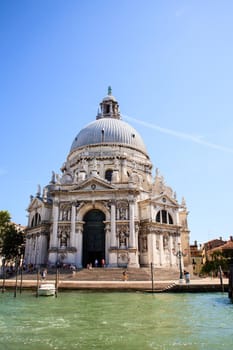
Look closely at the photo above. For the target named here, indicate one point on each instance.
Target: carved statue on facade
(122, 239)
(122, 213)
(63, 240)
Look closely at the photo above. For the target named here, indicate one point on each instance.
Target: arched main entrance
(93, 237)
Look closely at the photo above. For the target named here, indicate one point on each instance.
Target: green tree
(5, 219)
(13, 243)
(218, 259)
(11, 239)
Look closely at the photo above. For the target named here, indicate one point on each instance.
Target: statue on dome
(53, 178)
(157, 172)
(183, 203)
(94, 164)
(116, 163)
(45, 193)
(38, 194)
(58, 179)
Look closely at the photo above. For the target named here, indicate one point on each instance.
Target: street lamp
(179, 254)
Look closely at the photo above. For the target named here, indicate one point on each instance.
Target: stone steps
(116, 274)
(110, 274)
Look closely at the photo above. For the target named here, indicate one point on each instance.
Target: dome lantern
(109, 107)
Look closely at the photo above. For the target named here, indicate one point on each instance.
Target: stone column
(161, 255)
(170, 249)
(32, 252)
(26, 253)
(132, 241)
(54, 239)
(152, 247)
(113, 242)
(41, 248)
(112, 258)
(124, 171)
(37, 257)
(79, 245)
(72, 232)
(44, 247)
(136, 235)
(107, 242)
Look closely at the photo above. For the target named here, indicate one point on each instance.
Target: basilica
(105, 204)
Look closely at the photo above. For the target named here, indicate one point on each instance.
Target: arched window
(158, 217)
(163, 217)
(36, 220)
(170, 221)
(108, 175)
(107, 109)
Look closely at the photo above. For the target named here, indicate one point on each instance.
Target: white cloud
(196, 139)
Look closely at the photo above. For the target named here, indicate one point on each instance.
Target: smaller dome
(109, 98)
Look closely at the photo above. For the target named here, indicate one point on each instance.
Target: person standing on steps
(44, 274)
(187, 276)
(124, 275)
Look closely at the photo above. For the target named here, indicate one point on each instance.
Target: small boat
(47, 289)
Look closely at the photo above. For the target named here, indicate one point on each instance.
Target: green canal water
(89, 320)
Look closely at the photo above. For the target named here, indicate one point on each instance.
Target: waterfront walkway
(112, 280)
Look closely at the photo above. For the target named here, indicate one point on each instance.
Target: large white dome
(109, 131)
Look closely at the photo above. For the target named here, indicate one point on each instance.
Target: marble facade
(106, 204)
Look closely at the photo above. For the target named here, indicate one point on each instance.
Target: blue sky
(170, 67)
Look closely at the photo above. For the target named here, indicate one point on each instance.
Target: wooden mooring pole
(230, 286)
(57, 282)
(16, 280)
(21, 279)
(220, 277)
(3, 276)
(38, 283)
(152, 277)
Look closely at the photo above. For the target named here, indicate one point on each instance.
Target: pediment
(35, 204)
(93, 184)
(163, 199)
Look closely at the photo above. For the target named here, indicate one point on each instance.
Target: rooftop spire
(109, 91)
